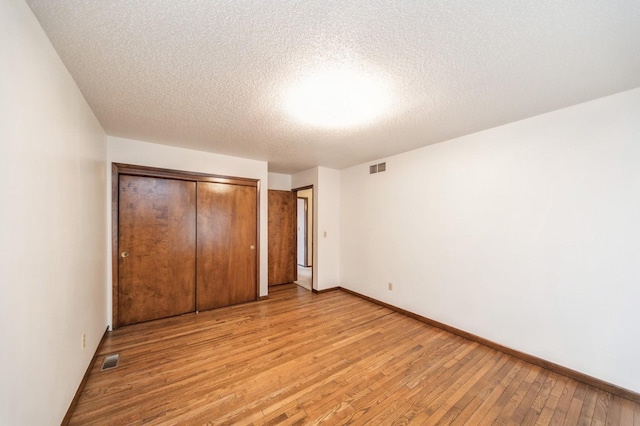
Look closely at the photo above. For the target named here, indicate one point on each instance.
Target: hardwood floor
(304, 358)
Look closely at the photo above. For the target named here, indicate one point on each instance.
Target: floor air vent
(110, 362)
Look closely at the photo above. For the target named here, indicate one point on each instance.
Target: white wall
(153, 155)
(52, 226)
(279, 182)
(526, 234)
(327, 197)
(326, 223)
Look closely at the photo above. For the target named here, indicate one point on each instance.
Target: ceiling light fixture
(337, 98)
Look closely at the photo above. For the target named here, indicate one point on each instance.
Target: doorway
(304, 236)
(301, 232)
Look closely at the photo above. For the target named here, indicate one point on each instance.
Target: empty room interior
(302, 212)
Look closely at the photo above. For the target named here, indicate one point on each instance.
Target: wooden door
(282, 237)
(227, 240)
(157, 236)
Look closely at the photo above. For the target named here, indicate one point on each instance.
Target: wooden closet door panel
(227, 229)
(157, 239)
(282, 237)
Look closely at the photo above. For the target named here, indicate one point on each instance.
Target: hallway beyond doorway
(304, 277)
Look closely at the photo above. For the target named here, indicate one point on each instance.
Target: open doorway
(304, 236)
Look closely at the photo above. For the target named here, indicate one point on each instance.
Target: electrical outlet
(84, 340)
(390, 286)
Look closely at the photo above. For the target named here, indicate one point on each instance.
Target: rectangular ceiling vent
(377, 168)
(110, 362)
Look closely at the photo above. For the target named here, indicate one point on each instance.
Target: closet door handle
(124, 254)
(252, 247)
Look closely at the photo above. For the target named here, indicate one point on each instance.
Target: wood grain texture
(226, 262)
(158, 234)
(282, 237)
(334, 358)
(119, 170)
(589, 380)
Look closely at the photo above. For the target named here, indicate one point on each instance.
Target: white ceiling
(212, 74)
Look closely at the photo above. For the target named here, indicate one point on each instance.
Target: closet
(183, 242)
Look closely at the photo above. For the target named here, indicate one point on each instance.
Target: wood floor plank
(588, 407)
(603, 400)
(552, 402)
(505, 397)
(527, 403)
(564, 403)
(626, 413)
(472, 401)
(575, 408)
(508, 410)
(434, 381)
(614, 411)
(462, 394)
(300, 358)
(490, 400)
(533, 412)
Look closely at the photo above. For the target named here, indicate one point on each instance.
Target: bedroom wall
(326, 223)
(526, 234)
(52, 226)
(279, 182)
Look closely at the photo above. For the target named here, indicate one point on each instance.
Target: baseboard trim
(261, 298)
(83, 382)
(557, 368)
(326, 290)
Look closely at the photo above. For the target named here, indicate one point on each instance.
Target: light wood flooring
(333, 358)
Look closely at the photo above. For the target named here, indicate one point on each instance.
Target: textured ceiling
(212, 75)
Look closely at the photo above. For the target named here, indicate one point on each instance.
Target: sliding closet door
(157, 236)
(226, 248)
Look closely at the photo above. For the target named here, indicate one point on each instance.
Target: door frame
(311, 252)
(118, 169)
(306, 231)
